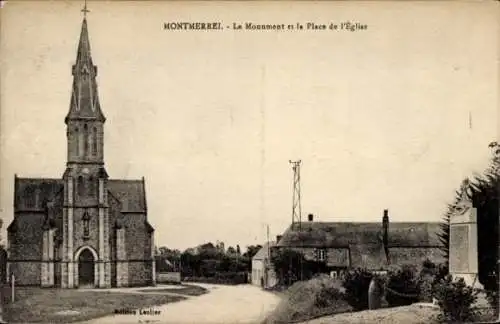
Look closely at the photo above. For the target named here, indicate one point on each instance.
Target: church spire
(85, 120)
(84, 97)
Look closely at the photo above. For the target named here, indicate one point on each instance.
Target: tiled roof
(130, 193)
(344, 234)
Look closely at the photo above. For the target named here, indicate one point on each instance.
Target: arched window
(29, 197)
(94, 141)
(86, 139)
(91, 186)
(80, 186)
(81, 140)
(77, 140)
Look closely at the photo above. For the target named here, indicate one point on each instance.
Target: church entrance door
(86, 269)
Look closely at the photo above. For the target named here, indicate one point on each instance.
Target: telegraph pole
(297, 208)
(296, 205)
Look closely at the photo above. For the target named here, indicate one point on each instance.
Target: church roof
(344, 234)
(130, 193)
(84, 102)
(34, 193)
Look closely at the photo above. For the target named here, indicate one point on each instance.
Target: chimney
(278, 238)
(310, 217)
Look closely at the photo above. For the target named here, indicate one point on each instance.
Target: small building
(262, 270)
(371, 245)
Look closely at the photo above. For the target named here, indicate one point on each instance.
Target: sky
(390, 117)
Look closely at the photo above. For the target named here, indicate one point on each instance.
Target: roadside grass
(41, 305)
(299, 302)
(188, 290)
(298, 306)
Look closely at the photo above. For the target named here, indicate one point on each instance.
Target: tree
(231, 250)
(483, 191)
(238, 250)
(291, 266)
(252, 250)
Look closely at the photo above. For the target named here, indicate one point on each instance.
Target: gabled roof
(130, 193)
(34, 193)
(344, 234)
(263, 253)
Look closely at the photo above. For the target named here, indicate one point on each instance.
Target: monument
(463, 240)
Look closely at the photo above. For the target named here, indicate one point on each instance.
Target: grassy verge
(188, 290)
(40, 305)
(307, 300)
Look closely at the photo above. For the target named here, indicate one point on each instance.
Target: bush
(402, 287)
(456, 300)
(356, 284)
(430, 274)
(310, 299)
(492, 297)
(327, 294)
(492, 292)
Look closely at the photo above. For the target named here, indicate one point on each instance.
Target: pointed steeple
(84, 103)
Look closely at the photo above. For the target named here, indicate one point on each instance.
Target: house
(371, 245)
(262, 271)
(83, 228)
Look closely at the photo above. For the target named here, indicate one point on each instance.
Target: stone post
(374, 294)
(463, 242)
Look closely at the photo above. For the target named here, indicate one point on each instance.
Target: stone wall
(136, 236)
(26, 243)
(415, 256)
(26, 273)
(168, 277)
(139, 273)
(372, 256)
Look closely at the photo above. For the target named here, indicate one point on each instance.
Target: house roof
(263, 253)
(344, 234)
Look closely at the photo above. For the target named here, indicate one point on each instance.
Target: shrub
(492, 294)
(430, 274)
(356, 283)
(310, 299)
(402, 287)
(492, 297)
(327, 293)
(456, 300)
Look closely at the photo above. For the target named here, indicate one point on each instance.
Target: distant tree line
(208, 262)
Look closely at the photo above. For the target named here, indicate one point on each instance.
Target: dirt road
(221, 305)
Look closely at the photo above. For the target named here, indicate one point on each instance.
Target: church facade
(83, 229)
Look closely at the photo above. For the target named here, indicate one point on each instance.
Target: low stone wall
(27, 273)
(168, 277)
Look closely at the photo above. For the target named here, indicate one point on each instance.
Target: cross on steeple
(85, 10)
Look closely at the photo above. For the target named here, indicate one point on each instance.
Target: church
(83, 229)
